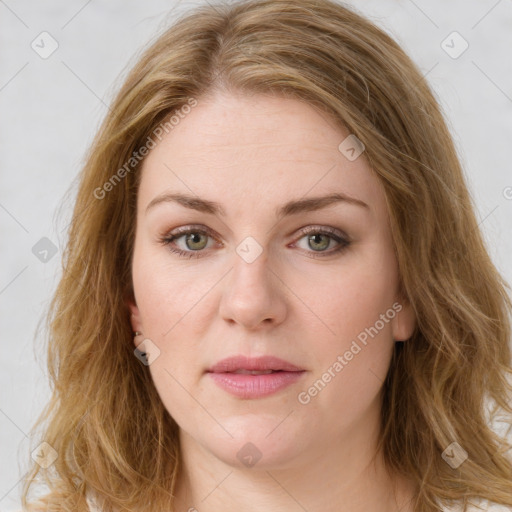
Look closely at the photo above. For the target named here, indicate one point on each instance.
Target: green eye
(319, 239)
(316, 240)
(193, 240)
(196, 240)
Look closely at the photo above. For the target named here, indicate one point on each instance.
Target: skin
(252, 154)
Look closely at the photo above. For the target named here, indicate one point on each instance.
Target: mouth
(250, 378)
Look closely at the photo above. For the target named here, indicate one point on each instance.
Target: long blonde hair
(105, 420)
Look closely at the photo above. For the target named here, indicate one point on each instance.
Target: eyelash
(332, 233)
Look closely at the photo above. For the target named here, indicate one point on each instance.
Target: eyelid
(191, 228)
(314, 228)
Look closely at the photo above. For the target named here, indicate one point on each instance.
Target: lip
(247, 386)
(262, 363)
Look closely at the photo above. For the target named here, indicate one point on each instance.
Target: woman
(276, 295)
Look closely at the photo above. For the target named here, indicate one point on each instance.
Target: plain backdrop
(51, 107)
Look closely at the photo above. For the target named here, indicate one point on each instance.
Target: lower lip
(255, 386)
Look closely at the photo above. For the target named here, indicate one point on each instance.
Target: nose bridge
(251, 295)
(250, 275)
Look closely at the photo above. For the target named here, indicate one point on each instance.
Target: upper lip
(240, 362)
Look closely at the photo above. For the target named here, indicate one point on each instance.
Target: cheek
(169, 303)
(350, 299)
(350, 369)
(175, 304)
(356, 304)
(169, 295)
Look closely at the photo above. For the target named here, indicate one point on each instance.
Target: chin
(258, 444)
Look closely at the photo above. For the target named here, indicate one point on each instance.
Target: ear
(135, 318)
(404, 322)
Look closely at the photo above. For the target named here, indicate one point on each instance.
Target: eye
(319, 239)
(195, 240)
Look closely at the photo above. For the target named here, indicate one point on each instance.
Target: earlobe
(404, 322)
(135, 319)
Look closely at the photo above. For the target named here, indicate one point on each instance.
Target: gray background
(51, 108)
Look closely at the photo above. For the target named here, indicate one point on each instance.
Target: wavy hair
(106, 421)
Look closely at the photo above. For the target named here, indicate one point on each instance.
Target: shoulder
(479, 506)
(495, 507)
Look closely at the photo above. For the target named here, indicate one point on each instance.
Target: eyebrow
(290, 208)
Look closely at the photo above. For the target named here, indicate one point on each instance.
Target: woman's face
(269, 269)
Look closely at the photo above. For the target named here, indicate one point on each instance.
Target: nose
(253, 295)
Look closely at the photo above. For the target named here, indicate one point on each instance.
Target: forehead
(250, 147)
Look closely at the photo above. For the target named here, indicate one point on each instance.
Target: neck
(349, 476)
